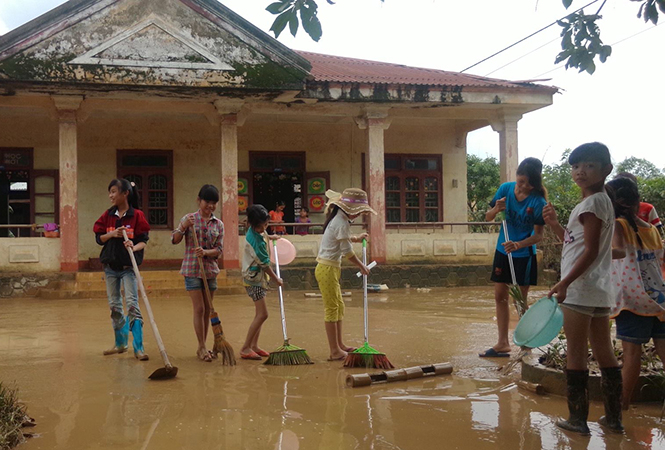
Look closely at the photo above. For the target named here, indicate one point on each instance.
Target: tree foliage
(639, 167)
(580, 35)
(483, 179)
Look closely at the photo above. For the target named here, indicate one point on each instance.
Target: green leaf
(590, 67)
(567, 3)
(293, 24)
(280, 23)
(278, 7)
(313, 28)
(661, 5)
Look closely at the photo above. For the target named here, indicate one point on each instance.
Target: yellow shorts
(331, 291)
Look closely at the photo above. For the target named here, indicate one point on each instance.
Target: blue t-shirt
(520, 217)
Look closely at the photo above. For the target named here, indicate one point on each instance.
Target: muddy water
(52, 350)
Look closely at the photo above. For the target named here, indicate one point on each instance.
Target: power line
(524, 39)
(524, 55)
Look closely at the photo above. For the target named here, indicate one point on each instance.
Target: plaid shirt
(210, 234)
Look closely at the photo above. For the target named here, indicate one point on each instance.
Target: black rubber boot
(611, 386)
(578, 402)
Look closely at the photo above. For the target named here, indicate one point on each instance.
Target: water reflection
(82, 400)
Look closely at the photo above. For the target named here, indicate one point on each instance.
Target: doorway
(278, 177)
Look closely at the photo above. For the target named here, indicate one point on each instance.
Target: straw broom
(287, 354)
(221, 345)
(367, 356)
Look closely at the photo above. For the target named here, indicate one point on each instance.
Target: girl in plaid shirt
(210, 233)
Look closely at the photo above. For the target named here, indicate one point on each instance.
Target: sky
(620, 105)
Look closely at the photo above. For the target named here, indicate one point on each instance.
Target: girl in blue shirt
(523, 201)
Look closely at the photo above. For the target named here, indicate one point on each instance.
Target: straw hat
(351, 201)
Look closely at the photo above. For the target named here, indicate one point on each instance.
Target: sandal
(253, 355)
(263, 353)
(204, 355)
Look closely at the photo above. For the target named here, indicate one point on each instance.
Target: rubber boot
(611, 386)
(137, 342)
(121, 338)
(578, 402)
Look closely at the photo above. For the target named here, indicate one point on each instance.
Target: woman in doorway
(277, 216)
(522, 202)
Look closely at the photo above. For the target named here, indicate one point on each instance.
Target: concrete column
(230, 120)
(506, 126)
(376, 122)
(66, 107)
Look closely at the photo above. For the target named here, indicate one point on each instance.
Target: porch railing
(317, 228)
(32, 228)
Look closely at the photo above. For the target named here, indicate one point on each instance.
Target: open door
(44, 197)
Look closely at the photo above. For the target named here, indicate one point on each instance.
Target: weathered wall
(337, 147)
(30, 255)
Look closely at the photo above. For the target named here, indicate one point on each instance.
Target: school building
(173, 94)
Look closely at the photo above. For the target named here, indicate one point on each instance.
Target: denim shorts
(639, 329)
(196, 284)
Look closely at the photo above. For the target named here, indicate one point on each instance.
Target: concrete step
(152, 293)
(147, 275)
(97, 285)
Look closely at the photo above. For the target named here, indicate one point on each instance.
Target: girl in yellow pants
(336, 243)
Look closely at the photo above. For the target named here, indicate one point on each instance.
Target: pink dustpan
(286, 252)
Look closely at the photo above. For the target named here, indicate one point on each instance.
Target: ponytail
(123, 185)
(330, 215)
(625, 198)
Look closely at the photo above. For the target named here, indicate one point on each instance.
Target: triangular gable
(149, 42)
(166, 46)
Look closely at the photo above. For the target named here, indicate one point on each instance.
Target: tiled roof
(350, 70)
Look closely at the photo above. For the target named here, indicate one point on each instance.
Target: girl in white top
(585, 290)
(335, 244)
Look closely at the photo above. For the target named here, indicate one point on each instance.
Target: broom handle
(279, 290)
(510, 255)
(208, 299)
(139, 280)
(365, 311)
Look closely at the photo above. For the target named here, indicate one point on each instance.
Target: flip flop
(341, 358)
(491, 353)
(254, 356)
(263, 353)
(350, 349)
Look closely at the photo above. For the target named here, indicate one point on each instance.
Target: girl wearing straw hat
(336, 243)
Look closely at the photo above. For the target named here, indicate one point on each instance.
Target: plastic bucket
(540, 324)
(285, 250)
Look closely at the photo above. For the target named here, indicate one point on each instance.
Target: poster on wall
(316, 185)
(243, 186)
(243, 203)
(316, 203)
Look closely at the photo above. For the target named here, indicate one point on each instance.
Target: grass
(12, 417)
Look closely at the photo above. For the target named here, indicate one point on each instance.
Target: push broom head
(368, 358)
(288, 355)
(221, 346)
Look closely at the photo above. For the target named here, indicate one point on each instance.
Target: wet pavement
(52, 351)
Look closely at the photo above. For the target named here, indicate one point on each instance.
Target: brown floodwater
(52, 351)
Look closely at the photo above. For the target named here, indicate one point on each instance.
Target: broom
(514, 289)
(367, 356)
(519, 301)
(287, 354)
(221, 345)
